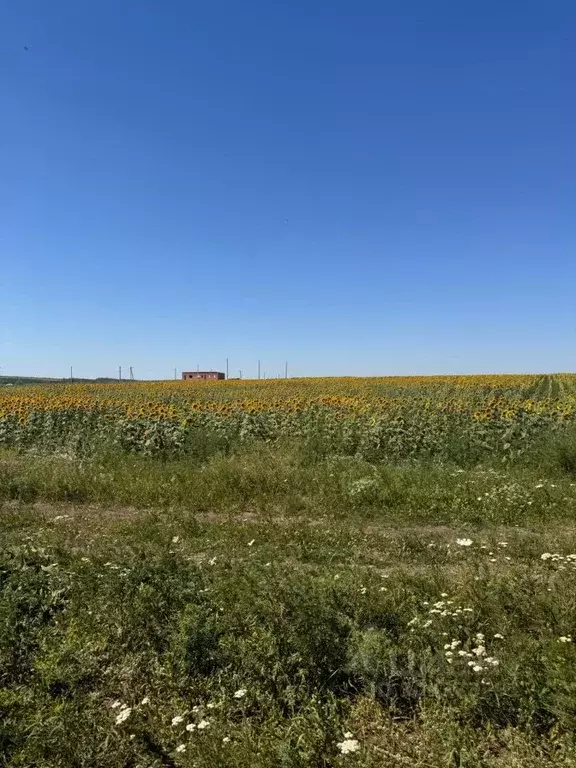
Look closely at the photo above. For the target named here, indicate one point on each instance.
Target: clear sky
(367, 187)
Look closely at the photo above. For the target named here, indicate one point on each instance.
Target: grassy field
(339, 572)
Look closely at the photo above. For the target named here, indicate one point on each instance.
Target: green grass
(287, 598)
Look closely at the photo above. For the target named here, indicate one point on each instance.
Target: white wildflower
(363, 590)
(348, 745)
(477, 668)
(240, 693)
(564, 639)
(123, 715)
(116, 704)
(203, 724)
(191, 727)
(348, 735)
(545, 556)
(498, 636)
(177, 720)
(464, 542)
(226, 739)
(175, 539)
(181, 748)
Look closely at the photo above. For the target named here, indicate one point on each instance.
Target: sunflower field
(392, 418)
(298, 573)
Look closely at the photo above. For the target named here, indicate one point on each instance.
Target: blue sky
(359, 188)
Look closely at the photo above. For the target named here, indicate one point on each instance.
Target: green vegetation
(289, 603)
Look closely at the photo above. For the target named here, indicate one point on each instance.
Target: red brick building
(203, 375)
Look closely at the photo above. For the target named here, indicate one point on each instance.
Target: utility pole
(240, 372)
(226, 367)
(119, 373)
(71, 375)
(258, 368)
(131, 374)
(174, 374)
(286, 370)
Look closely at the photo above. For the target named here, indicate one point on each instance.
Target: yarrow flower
(348, 745)
(181, 748)
(464, 542)
(203, 724)
(123, 715)
(191, 727)
(564, 639)
(177, 720)
(240, 693)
